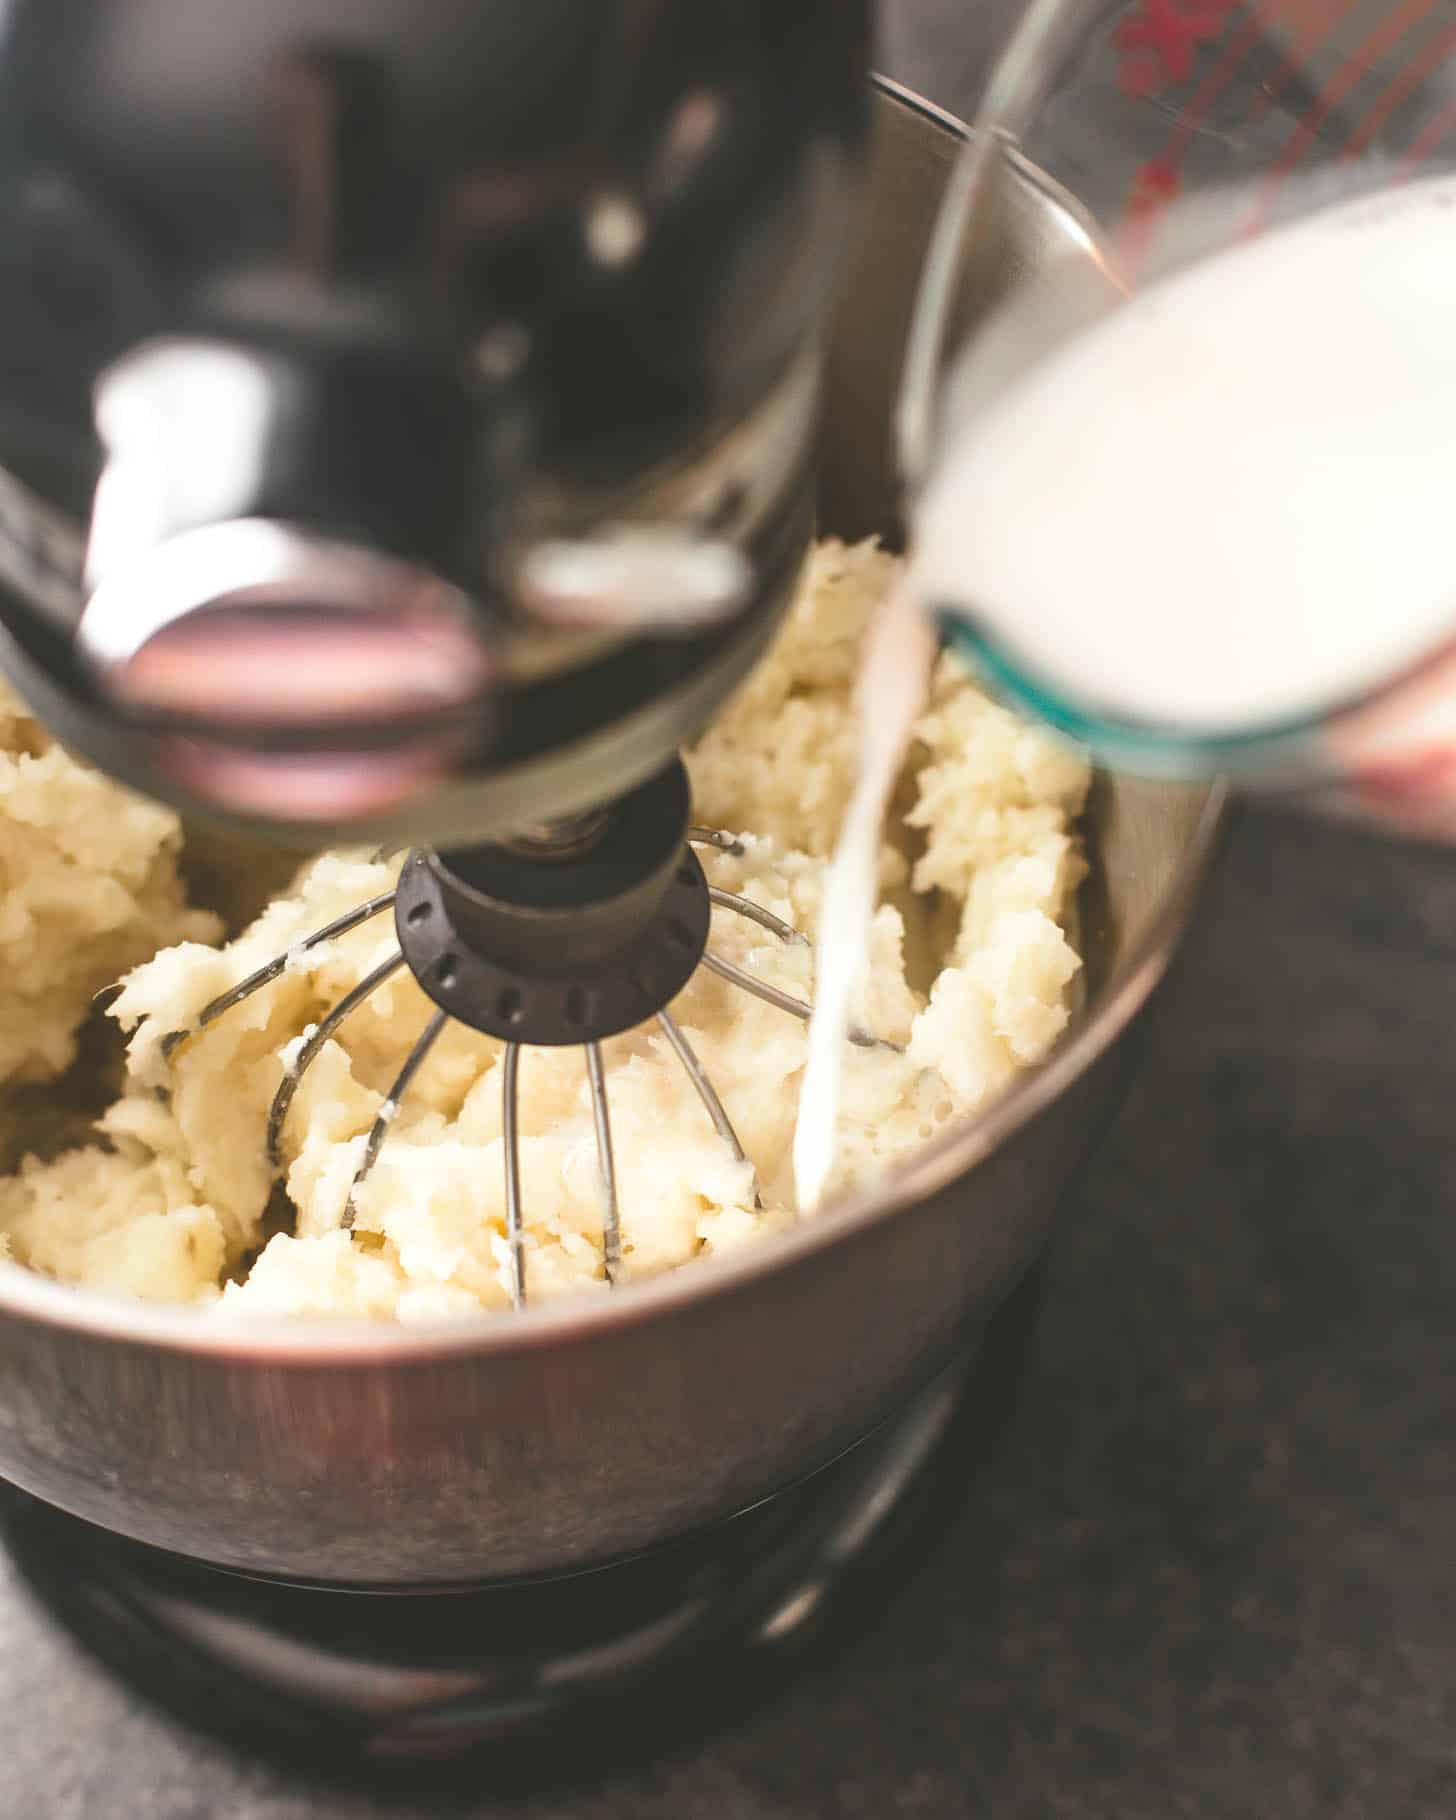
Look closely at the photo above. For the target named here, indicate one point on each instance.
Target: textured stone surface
(1210, 1571)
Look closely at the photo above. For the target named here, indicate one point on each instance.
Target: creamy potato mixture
(173, 1198)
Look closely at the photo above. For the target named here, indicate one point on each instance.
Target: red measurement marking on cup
(1157, 184)
(1308, 25)
(1397, 92)
(1159, 40)
(1346, 79)
(1158, 181)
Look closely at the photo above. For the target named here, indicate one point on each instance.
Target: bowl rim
(326, 1343)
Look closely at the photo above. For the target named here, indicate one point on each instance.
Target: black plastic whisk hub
(565, 936)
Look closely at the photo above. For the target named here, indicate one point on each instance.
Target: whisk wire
(601, 1115)
(716, 837)
(511, 1141)
(389, 1111)
(265, 975)
(755, 913)
(785, 1001)
(706, 1091)
(298, 1067)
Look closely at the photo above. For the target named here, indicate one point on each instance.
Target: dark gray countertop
(1210, 1571)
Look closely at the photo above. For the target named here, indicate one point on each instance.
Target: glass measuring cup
(1192, 128)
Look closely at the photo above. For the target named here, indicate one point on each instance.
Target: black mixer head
(406, 413)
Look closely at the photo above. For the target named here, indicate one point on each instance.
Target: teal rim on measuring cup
(1275, 754)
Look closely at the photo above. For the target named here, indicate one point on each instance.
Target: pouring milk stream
(1201, 530)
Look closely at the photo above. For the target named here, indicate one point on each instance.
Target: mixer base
(555, 1678)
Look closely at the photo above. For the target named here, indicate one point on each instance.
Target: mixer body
(406, 414)
(568, 1435)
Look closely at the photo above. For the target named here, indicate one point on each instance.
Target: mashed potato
(174, 1198)
(88, 887)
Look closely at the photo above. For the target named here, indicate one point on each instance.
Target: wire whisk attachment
(471, 938)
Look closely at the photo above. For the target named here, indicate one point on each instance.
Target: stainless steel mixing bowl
(568, 1435)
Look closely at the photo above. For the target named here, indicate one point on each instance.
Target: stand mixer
(519, 468)
(408, 421)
